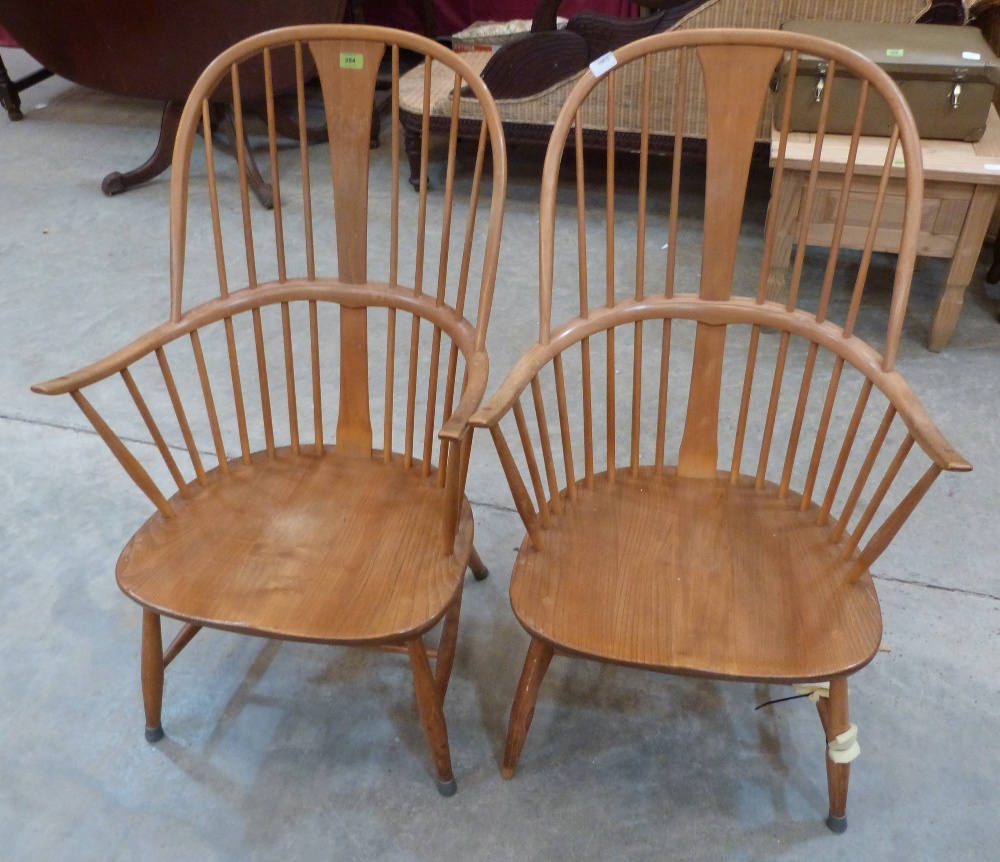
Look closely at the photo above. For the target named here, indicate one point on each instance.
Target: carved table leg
(116, 182)
(261, 187)
(412, 148)
(9, 98)
(786, 215)
(963, 265)
(993, 275)
(286, 121)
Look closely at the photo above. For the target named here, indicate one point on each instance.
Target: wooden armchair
(757, 457)
(282, 528)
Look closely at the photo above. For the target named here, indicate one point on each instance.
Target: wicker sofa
(530, 118)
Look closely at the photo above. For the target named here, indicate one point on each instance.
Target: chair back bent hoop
(706, 451)
(319, 364)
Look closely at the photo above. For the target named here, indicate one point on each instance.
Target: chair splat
(732, 115)
(347, 72)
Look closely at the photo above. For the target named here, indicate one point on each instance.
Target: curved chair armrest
(925, 432)
(911, 411)
(236, 302)
(111, 364)
(510, 390)
(853, 350)
(458, 423)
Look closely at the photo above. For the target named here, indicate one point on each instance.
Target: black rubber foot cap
(154, 734)
(837, 824)
(481, 576)
(447, 788)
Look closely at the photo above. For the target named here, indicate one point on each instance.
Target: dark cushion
(944, 12)
(533, 63)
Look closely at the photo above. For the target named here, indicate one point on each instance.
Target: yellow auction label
(352, 61)
(893, 52)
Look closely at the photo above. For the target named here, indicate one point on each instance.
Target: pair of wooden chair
(648, 549)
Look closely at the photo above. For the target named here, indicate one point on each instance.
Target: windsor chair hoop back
(652, 548)
(285, 529)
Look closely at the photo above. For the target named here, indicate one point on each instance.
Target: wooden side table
(961, 188)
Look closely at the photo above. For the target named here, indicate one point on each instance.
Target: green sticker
(893, 52)
(352, 61)
(898, 162)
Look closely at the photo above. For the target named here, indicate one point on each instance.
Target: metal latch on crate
(821, 69)
(956, 94)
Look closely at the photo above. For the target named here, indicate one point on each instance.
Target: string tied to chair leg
(844, 748)
(813, 690)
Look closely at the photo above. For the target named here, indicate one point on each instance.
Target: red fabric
(453, 15)
(494, 10)
(5, 40)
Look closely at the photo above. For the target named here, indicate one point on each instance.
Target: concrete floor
(300, 752)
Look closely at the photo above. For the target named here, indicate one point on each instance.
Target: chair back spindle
(303, 305)
(654, 551)
(278, 535)
(778, 376)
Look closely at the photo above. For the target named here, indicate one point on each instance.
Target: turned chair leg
(446, 647)
(479, 570)
(152, 674)
(429, 703)
(523, 708)
(836, 720)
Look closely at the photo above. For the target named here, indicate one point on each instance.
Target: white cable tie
(844, 748)
(814, 690)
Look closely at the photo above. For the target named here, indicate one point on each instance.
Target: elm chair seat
(681, 557)
(302, 547)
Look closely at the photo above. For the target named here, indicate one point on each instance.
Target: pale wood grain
(347, 93)
(696, 576)
(732, 111)
(687, 567)
(152, 670)
(952, 161)
(351, 553)
(294, 538)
